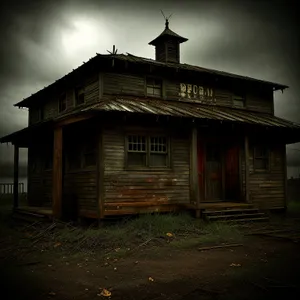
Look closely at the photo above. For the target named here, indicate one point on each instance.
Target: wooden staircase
(245, 213)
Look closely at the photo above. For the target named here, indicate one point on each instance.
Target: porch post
(194, 171)
(247, 192)
(57, 173)
(16, 176)
(285, 176)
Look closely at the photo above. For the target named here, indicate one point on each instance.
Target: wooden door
(232, 176)
(213, 172)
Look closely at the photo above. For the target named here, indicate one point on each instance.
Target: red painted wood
(232, 184)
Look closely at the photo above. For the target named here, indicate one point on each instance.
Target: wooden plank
(57, 172)
(16, 176)
(100, 176)
(194, 170)
(247, 192)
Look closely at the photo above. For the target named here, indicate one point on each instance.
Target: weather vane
(114, 51)
(166, 18)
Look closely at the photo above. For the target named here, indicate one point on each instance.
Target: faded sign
(197, 92)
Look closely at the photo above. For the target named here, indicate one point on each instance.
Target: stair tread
(246, 220)
(229, 210)
(235, 216)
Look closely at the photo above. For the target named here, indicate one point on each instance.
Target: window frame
(76, 94)
(147, 165)
(266, 158)
(239, 96)
(59, 102)
(153, 86)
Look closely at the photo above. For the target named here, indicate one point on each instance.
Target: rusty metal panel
(181, 109)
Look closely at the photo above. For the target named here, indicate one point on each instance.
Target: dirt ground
(261, 268)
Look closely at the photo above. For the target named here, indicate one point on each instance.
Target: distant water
(11, 180)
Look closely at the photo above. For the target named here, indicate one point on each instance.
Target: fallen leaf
(105, 293)
(151, 279)
(235, 265)
(57, 244)
(169, 234)
(117, 249)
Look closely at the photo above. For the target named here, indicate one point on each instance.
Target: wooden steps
(29, 216)
(236, 214)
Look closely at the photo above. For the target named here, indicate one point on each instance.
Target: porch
(131, 208)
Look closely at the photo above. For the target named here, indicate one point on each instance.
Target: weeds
(122, 238)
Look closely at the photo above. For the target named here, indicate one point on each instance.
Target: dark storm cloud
(253, 38)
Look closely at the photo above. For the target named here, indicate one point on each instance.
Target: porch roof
(191, 110)
(24, 136)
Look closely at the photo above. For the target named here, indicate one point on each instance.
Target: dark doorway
(213, 172)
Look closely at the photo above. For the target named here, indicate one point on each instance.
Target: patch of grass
(210, 234)
(293, 207)
(115, 239)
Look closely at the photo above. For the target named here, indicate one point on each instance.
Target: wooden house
(123, 134)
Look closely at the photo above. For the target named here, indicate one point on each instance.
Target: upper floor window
(62, 103)
(147, 151)
(238, 100)
(79, 95)
(154, 87)
(261, 158)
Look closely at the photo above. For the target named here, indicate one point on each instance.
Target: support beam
(100, 176)
(57, 173)
(247, 191)
(194, 171)
(16, 176)
(285, 177)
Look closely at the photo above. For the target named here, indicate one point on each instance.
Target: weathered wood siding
(39, 179)
(123, 84)
(260, 101)
(170, 186)
(33, 115)
(266, 188)
(80, 184)
(49, 107)
(134, 85)
(91, 89)
(81, 187)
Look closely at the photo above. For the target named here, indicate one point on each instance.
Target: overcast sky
(43, 40)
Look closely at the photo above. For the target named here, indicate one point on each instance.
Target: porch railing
(8, 188)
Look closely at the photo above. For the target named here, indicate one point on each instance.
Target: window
(238, 100)
(79, 95)
(154, 87)
(261, 158)
(62, 103)
(147, 151)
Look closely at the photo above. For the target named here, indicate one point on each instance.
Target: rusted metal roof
(136, 59)
(190, 110)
